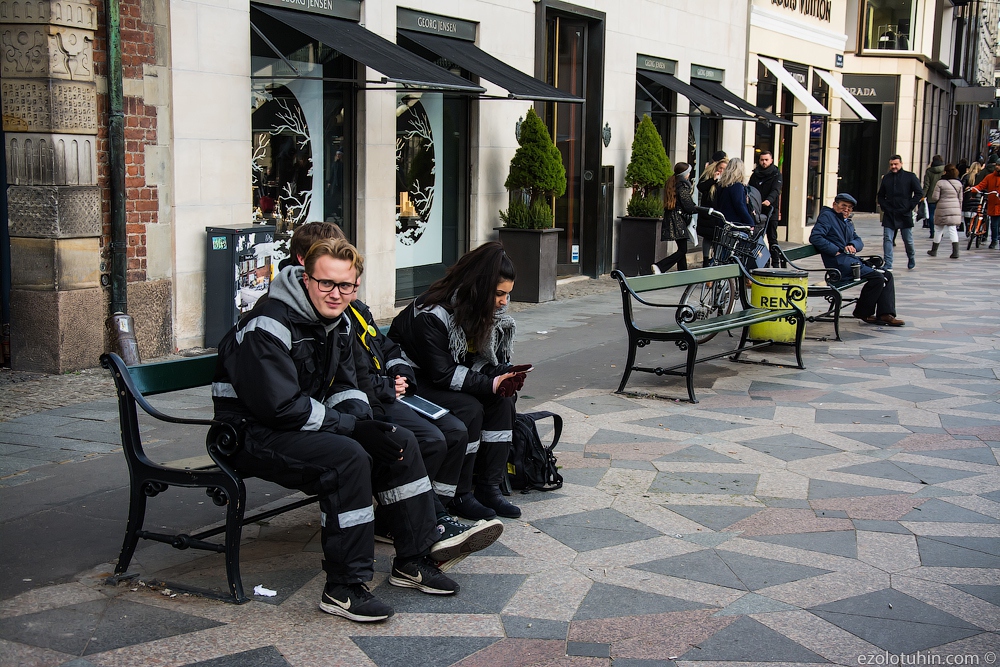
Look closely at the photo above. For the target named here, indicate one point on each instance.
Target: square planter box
(533, 252)
(639, 245)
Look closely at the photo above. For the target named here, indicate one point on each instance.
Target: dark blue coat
(731, 202)
(830, 235)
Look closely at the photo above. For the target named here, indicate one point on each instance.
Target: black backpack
(530, 464)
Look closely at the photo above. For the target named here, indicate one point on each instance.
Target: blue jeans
(887, 234)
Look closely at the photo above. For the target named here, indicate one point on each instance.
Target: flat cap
(843, 196)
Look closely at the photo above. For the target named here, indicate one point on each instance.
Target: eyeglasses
(329, 285)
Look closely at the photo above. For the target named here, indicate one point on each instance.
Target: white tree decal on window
(421, 196)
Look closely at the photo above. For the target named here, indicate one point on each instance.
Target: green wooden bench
(687, 328)
(212, 471)
(833, 286)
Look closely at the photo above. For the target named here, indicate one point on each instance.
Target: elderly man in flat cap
(838, 242)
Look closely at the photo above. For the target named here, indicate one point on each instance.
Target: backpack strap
(557, 421)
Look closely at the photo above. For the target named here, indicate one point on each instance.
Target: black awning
(394, 62)
(468, 56)
(698, 97)
(718, 90)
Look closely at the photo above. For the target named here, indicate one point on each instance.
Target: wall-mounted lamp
(606, 135)
(517, 128)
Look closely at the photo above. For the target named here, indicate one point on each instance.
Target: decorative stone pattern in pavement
(792, 517)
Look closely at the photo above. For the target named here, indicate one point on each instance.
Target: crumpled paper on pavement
(264, 592)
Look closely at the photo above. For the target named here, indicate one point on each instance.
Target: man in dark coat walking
(898, 195)
(766, 177)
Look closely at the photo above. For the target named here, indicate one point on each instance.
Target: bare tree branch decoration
(296, 206)
(292, 121)
(260, 152)
(421, 127)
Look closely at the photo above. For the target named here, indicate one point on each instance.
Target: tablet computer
(424, 407)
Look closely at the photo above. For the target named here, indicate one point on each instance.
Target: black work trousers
(442, 442)
(878, 296)
(489, 421)
(344, 475)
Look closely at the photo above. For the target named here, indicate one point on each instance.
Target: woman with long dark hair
(678, 207)
(459, 339)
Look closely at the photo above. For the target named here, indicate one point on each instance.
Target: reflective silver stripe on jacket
(322, 519)
(497, 436)
(439, 312)
(316, 417)
(407, 360)
(268, 324)
(472, 448)
(480, 363)
(356, 517)
(458, 378)
(223, 390)
(395, 362)
(348, 395)
(409, 490)
(446, 490)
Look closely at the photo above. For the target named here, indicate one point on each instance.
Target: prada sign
(818, 9)
(871, 88)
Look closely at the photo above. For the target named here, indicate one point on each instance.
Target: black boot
(954, 251)
(468, 507)
(491, 497)
(933, 251)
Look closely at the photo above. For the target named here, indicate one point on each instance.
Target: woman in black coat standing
(707, 187)
(678, 206)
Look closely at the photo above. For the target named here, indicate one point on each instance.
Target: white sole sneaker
(479, 536)
(337, 610)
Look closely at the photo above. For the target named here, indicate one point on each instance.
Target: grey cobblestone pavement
(844, 514)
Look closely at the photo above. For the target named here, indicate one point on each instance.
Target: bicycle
(977, 229)
(731, 242)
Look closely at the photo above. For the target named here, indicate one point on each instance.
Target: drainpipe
(116, 160)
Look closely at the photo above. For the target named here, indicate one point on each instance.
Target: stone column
(49, 100)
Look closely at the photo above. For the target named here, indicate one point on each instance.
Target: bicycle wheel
(710, 300)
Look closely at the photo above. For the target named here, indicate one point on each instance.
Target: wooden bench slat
(683, 278)
(734, 320)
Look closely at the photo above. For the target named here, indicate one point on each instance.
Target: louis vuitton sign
(819, 9)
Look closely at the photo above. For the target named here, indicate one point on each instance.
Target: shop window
(889, 25)
(301, 120)
(767, 99)
(659, 103)
(816, 170)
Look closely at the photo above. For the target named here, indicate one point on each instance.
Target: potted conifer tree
(648, 169)
(528, 236)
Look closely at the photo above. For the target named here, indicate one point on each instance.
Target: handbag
(923, 213)
(692, 232)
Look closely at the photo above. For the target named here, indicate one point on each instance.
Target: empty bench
(687, 327)
(833, 286)
(212, 471)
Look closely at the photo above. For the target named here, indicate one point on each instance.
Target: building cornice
(761, 18)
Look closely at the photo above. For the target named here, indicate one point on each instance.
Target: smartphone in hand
(522, 368)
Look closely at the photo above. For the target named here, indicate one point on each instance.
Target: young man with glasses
(286, 380)
(838, 242)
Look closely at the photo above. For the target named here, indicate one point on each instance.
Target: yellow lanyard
(363, 333)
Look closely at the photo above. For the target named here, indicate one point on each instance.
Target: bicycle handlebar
(717, 214)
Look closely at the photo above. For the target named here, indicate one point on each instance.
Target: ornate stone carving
(49, 106)
(54, 211)
(51, 159)
(55, 12)
(39, 51)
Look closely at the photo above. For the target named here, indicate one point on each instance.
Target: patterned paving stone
(756, 412)
(757, 573)
(840, 542)
(583, 476)
(98, 626)
(267, 656)
(606, 601)
(895, 622)
(608, 437)
(982, 455)
(782, 447)
(599, 405)
(698, 454)
(595, 530)
(704, 482)
(514, 652)
(746, 640)
(480, 594)
(880, 470)
(754, 603)
(912, 393)
(534, 628)
(715, 517)
(856, 417)
(881, 526)
(941, 511)
(690, 424)
(430, 651)
(706, 566)
(959, 551)
(875, 438)
(820, 488)
(837, 397)
(989, 593)
(781, 521)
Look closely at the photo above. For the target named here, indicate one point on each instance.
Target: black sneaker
(354, 602)
(422, 574)
(467, 507)
(459, 538)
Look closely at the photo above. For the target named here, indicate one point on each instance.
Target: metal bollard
(123, 329)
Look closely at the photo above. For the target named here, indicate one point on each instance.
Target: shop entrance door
(860, 166)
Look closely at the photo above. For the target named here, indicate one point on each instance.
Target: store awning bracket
(658, 102)
(274, 48)
(794, 87)
(718, 90)
(849, 99)
(697, 97)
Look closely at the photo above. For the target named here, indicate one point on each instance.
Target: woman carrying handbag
(678, 207)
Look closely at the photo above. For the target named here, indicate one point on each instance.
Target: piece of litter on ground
(26, 580)
(541, 332)
(264, 592)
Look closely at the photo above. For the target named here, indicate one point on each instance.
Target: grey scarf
(501, 339)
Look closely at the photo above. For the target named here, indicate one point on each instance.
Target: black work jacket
(377, 358)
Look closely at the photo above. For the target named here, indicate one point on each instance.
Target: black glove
(380, 440)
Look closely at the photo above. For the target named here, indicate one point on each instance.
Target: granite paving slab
(704, 482)
(715, 517)
(959, 551)
(610, 437)
(748, 641)
(912, 393)
(790, 452)
(895, 622)
(874, 438)
(691, 424)
(429, 651)
(824, 416)
(989, 593)
(706, 566)
(607, 601)
(880, 470)
(982, 455)
(266, 656)
(480, 594)
(875, 526)
(757, 573)
(599, 405)
(754, 603)
(840, 542)
(941, 511)
(595, 530)
(698, 454)
(534, 628)
(821, 488)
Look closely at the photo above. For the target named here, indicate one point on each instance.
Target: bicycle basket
(730, 242)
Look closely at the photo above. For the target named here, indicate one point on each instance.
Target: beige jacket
(948, 194)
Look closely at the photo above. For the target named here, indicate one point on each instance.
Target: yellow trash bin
(771, 295)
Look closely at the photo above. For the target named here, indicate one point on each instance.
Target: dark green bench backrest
(682, 278)
(800, 252)
(164, 376)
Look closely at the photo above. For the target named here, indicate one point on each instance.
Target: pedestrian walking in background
(947, 194)
(991, 183)
(898, 194)
(708, 186)
(766, 177)
(678, 206)
(970, 203)
(731, 194)
(963, 168)
(932, 175)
